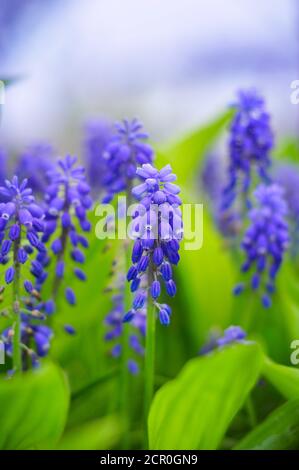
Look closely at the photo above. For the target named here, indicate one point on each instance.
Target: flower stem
(149, 372)
(124, 374)
(17, 352)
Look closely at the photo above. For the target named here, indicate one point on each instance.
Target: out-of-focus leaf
(84, 354)
(286, 150)
(186, 154)
(284, 379)
(100, 434)
(279, 431)
(194, 410)
(207, 277)
(33, 408)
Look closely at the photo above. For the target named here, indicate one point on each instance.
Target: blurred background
(171, 63)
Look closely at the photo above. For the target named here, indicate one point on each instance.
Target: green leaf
(194, 410)
(33, 408)
(100, 434)
(280, 431)
(287, 150)
(284, 379)
(186, 154)
(207, 276)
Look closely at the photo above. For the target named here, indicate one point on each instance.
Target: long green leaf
(194, 410)
(280, 431)
(33, 408)
(284, 379)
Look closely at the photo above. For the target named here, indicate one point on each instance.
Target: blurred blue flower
(97, 135)
(265, 241)
(287, 176)
(251, 141)
(34, 163)
(114, 321)
(124, 152)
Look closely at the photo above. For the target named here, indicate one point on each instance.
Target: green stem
(124, 388)
(17, 352)
(149, 372)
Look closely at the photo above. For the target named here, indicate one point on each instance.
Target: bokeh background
(176, 65)
(172, 63)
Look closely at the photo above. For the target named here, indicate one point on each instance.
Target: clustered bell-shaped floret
(265, 241)
(251, 140)
(68, 199)
(122, 154)
(114, 321)
(157, 229)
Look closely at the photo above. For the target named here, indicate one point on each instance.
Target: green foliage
(33, 408)
(280, 431)
(94, 435)
(186, 154)
(194, 410)
(285, 379)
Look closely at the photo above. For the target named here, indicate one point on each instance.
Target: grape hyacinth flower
(114, 321)
(97, 135)
(68, 199)
(265, 241)
(232, 334)
(212, 179)
(21, 225)
(125, 151)
(251, 140)
(35, 162)
(157, 229)
(35, 340)
(287, 176)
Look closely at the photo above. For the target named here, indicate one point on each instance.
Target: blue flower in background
(212, 178)
(232, 334)
(34, 163)
(36, 336)
(3, 165)
(251, 141)
(157, 228)
(265, 241)
(124, 152)
(287, 176)
(97, 135)
(114, 321)
(68, 200)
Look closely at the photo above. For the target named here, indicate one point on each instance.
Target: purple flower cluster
(265, 241)
(287, 176)
(232, 334)
(20, 217)
(37, 336)
(124, 152)
(114, 321)
(98, 134)
(67, 200)
(21, 227)
(34, 163)
(251, 140)
(157, 229)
